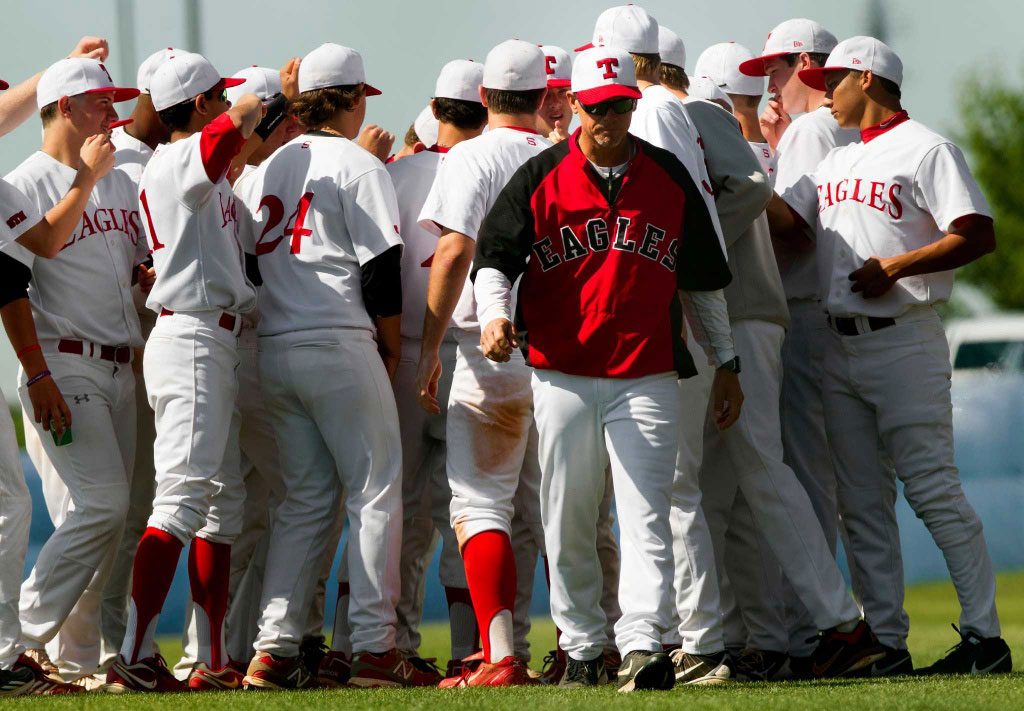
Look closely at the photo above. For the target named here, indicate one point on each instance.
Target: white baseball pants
(15, 520)
(93, 469)
(747, 458)
(584, 425)
(887, 398)
(190, 365)
(337, 427)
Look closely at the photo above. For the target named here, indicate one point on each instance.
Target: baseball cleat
(43, 661)
(393, 669)
(800, 668)
(335, 669)
(267, 671)
(17, 680)
(312, 651)
(896, 662)
(554, 667)
(202, 678)
(510, 671)
(91, 682)
(150, 675)
(973, 655)
(760, 665)
(645, 671)
(458, 667)
(26, 677)
(612, 662)
(701, 669)
(579, 674)
(842, 653)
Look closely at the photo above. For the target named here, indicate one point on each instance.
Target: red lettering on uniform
(608, 63)
(88, 228)
(549, 64)
(856, 190)
(876, 194)
(102, 220)
(275, 211)
(427, 262)
(895, 206)
(227, 210)
(299, 230)
(16, 219)
(133, 223)
(531, 140)
(154, 242)
(840, 194)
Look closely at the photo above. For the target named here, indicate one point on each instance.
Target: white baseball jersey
(764, 156)
(130, 154)
(804, 144)
(661, 120)
(899, 191)
(85, 292)
(412, 177)
(323, 207)
(468, 182)
(17, 213)
(191, 219)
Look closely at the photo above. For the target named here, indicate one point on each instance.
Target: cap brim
(121, 93)
(607, 92)
(228, 82)
(3, 85)
(815, 77)
(558, 83)
(371, 90)
(755, 67)
(588, 45)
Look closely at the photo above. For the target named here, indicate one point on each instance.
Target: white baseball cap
(558, 66)
(460, 79)
(78, 75)
(721, 64)
(603, 74)
(671, 48)
(705, 88)
(515, 65)
(625, 26)
(426, 126)
(333, 65)
(150, 64)
(862, 54)
(791, 37)
(184, 76)
(261, 81)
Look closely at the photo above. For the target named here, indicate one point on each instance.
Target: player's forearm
(787, 228)
(955, 250)
(21, 332)
(389, 337)
(17, 104)
(50, 234)
(493, 292)
(448, 272)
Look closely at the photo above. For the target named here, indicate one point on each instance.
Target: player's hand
(875, 278)
(91, 48)
(48, 406)
(427, 377)
(726, 398)
(498, 339)
(377, 141)
(290, 79)
(97, 156)
(147, 278)
(558, 134)
(774, 121)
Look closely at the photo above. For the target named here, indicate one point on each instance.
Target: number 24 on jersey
(294, 225)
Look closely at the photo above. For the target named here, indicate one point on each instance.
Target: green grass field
(931, 608)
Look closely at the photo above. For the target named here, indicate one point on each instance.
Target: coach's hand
(48, 406)
(726, 398)
(427, 377)
(498, 340)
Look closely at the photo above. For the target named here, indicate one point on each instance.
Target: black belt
(847, 325)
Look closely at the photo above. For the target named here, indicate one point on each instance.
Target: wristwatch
(732, 365)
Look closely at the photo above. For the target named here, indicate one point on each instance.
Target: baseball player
(742, 192)
(555, 114)
(87, 342)
(799, 144)
(329, 341)
(894, 215)
(426, 493)
(607, 393)
(491, 441)
(22, 224)
(190, 217)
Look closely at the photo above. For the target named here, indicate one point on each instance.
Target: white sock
(499, 634)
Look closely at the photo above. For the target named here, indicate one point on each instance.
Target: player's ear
(867, 80)
(64, 106)
(199, 104)
(483, 96)
(540, 101)
(433, 108)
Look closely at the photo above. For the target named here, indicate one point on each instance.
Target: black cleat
(701, 669)
(973, 655)
(644, 671)
(580, 674)
(896, 662)
(843, 653)
(760, 665)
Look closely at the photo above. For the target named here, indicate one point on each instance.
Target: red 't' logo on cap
(549, 64)
(608, 63)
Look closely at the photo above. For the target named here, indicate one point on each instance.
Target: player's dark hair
(646, 66)
(890, 86)
(48, 113)
(411, 137)
(467, 115)
(500, 101)
(674, 77)
(744, 101)
(818, 59)
(317, 106)
(179, 116)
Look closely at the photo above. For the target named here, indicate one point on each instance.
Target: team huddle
(243, 322)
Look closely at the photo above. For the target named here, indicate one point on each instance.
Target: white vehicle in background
(987, 343)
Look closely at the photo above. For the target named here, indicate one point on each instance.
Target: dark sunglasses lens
(619, 106)
(623, 106)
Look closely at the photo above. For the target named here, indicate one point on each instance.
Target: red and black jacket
(601, 264)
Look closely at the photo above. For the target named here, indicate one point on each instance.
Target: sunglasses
(619, 106)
